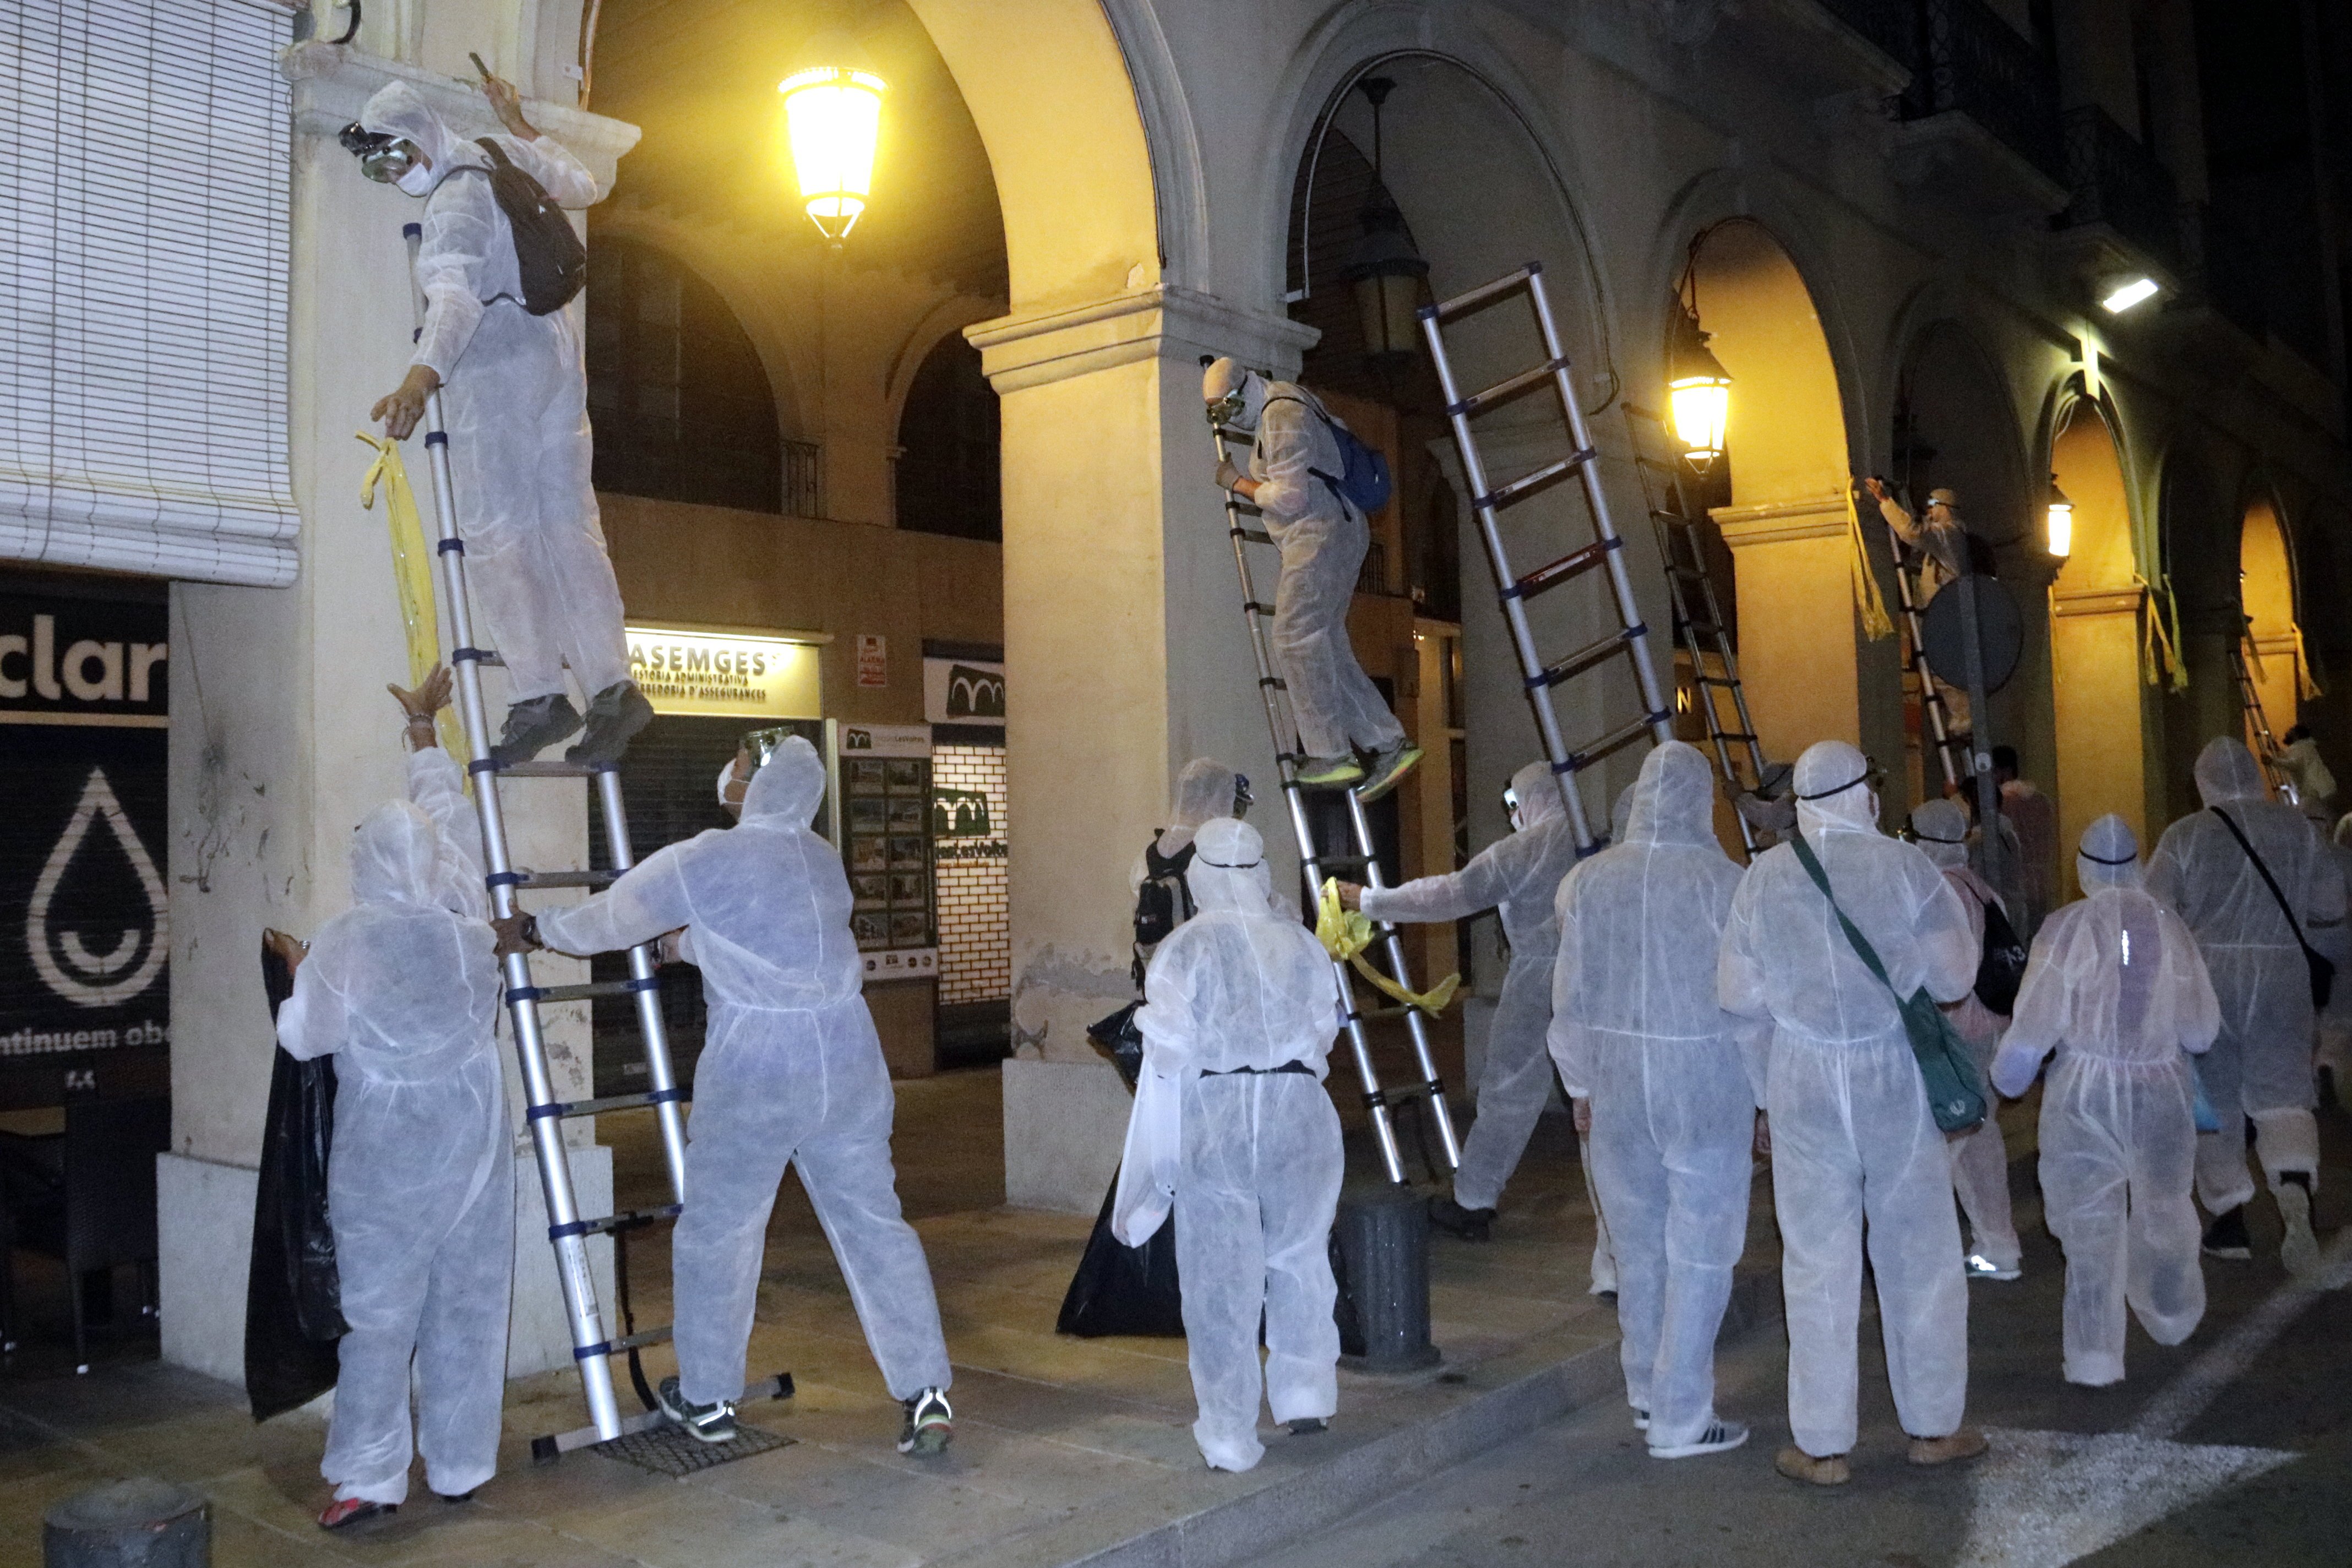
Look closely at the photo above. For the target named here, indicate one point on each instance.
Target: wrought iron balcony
(2118, 182)
(1891, 27)
(1971, 60)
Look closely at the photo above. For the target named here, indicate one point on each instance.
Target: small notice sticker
(873, 659)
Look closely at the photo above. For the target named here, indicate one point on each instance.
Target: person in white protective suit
(1979, 1158)
(1518, 875)
(403, 990)
(516, 397)
(1668, 1084)
(1853, 1138)
(791, 1072)
(1206, 789)
(2334, 1057)
(2261, 1066)
(1234, 1131)
(1294, 479)
(2116, 988)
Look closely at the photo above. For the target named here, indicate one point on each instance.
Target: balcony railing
(1891, 26)
(1373, 577)
(1971, 60)
(803, 479)
(2119, 182)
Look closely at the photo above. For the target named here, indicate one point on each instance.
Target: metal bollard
(137, 1523)
(1382, 1245)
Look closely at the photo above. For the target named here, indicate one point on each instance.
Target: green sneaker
(1388, 767)
(930, 1424)
(1330, 773)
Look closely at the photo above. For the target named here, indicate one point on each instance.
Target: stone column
(1797, 627)
(1126, 654)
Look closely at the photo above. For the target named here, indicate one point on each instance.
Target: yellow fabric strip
(1867, 601)
(1345, 933)
(412, 572)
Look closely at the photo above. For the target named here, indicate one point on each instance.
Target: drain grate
(668, 1450)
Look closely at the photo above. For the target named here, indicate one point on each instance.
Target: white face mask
(417, 181)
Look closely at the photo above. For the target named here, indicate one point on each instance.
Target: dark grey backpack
(550, 257)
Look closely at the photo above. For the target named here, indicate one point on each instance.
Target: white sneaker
(2298, 1249)
(1719, 1436)
(1980, 1267)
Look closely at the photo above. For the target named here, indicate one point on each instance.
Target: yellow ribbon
(412, 571)
(1867, 600)
(2305, 682)
(2159, 646)
(1345, 933)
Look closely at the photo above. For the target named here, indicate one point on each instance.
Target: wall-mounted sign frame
(713, 672)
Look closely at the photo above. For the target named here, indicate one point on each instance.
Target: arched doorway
(2272, 646)
(2095, 633)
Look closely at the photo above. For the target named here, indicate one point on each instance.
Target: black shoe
(930, 1424)
(1307, 1425)
(533, 725)
(705, 1423)
(1470, 1224)
(2227, 1237)
(455, 1498)
(615, 714)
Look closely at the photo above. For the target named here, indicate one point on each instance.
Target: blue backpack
(1363, 481)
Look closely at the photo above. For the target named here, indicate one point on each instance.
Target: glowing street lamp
(2128, 293)
(833, 112)
(1699, 390)
(2060, 539)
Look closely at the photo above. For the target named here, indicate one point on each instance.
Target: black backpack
(2001, 970)
(1162, 904)
(552, 260)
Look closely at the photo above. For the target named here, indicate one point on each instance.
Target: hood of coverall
(2227, 771)
(786, 791)
(393, 854)
(1229, 870)
(1539, 798)
(1833, 793)
(1203, 790)
(1222, 377)
(2106, 842)
(1673, 798)
(1621, 813)
(397, 109)
(1940, 827)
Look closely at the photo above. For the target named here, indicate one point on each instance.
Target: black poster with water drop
(85, 933)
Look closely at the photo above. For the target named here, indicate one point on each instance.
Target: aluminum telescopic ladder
(1489, 500)
(593, 1343)
(1359, 860)
(1951, 745)
(1700, 625)
(2266, 747)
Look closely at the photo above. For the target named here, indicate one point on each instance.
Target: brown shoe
(1965, 1443)
(1799, 1466)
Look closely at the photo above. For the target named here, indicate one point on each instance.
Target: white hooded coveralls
(515, 392)
(1247, 1157)
(1852, 1139)
(403, 990)
(1518, 876)
(1636, 1028)
(791, 1072)
(1979, 1159)
(1323, 540)
(2115, 986)
(2261, 1064)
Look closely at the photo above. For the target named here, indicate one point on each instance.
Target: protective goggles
(1228, 408)
(1243, 799)
(384, 158)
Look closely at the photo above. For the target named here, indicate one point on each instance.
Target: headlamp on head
(1228, 408)
(1511, 806)
(1243, 798)
(384, 157)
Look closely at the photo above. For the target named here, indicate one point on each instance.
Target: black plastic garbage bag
(293, 1306)
(1122, 1289)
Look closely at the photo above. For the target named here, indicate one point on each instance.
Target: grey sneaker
(2298, 1249)
(930, 1424)
(615, 714)
(1388, 767)
(1977, 1265)
(533, 725)
(1719, 1436)
(705, 1423)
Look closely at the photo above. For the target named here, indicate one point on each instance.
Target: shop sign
(873, 659)
(963, 691)
(725, 675)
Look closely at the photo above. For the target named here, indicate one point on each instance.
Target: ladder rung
(1568, 566)
(1607, 743)
(1510, 386)
(544, 995)
(1585, 657)
(1481, 295)
(1321, 861)
(641, 1339)
(1525, 485)
(627, 1219)
(1255, 535)
(600, 879)
(1253, 605)
(555, 770)
(570, 1107)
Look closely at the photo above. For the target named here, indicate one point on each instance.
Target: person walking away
(792, 1073)
(516, 389)
(2315, 786)
(2035, 817)
(1853, 1138)
(1979, 1157)
(2116, 988)
(1665, 1086)
(1294, 477)
(2334, 1060)
(1518, 875)
(403, 990)
(1234, 1133)
(2217, 868)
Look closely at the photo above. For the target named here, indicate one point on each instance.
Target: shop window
(681, 404)
(948, 439)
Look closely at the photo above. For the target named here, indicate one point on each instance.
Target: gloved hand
(2013, 1067)
(1228, 475)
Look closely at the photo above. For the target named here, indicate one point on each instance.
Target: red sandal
(345, 1512)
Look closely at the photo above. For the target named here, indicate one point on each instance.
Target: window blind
(143, 155)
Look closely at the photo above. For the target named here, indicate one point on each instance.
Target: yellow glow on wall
(834, 118)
